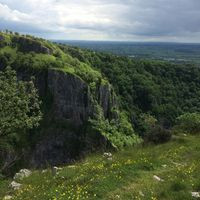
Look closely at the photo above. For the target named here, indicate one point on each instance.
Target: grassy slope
(130, 173)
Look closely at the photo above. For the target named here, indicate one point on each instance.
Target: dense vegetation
(161, 89)
(19, 111)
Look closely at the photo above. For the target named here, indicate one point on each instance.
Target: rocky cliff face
(30, 45)
(71, 99)
(1, 38)
(65, 136)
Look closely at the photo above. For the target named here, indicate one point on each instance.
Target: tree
(189, 123)
(19, 107)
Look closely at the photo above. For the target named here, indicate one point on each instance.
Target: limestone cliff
(64, 136)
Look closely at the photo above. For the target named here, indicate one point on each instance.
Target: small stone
(177, 164)
(158, 178)
(164, 166)
(15, 186)
(141, 193)
(71, 166)
(55, 170)
(44, 171)
(22, 174)
(195, 194)
(107, 154)
(7, 197)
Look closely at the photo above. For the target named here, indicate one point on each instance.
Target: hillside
(163, 89)
(75, 97)
(93, 101)
(131, 174)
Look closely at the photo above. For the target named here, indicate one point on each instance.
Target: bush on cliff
(118, 132)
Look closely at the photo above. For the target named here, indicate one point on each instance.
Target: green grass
(128, 176)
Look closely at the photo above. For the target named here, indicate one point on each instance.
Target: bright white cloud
(104, 19)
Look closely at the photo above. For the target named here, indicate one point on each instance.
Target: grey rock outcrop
(1, 38)
(66, 136)
(107, 100)
(22, 174)
(26, 44)
(71, 101)
(15, 186)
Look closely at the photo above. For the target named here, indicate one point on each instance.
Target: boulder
(195, 194)
(22, 174)
(15, 186)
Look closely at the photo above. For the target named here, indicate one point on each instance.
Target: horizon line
(123, 41)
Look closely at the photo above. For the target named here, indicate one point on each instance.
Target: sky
(114, 20)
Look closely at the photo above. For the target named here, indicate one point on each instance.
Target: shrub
(152, 130)
(158, 134)
(118, 132)
(188, 123)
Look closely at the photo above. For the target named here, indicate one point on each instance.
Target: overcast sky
(136, 20)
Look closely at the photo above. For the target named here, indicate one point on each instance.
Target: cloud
(169, 20)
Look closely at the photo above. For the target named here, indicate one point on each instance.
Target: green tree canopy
(189, 123)
(19, 106)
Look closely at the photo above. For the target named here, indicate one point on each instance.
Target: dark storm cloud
(105, 19)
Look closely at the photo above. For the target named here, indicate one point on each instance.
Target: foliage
(148, 121)
(19, 106)
(152, 130)
(158, 135)
(163, 89)
(87, 73)
(189, 123)
(119, 132)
